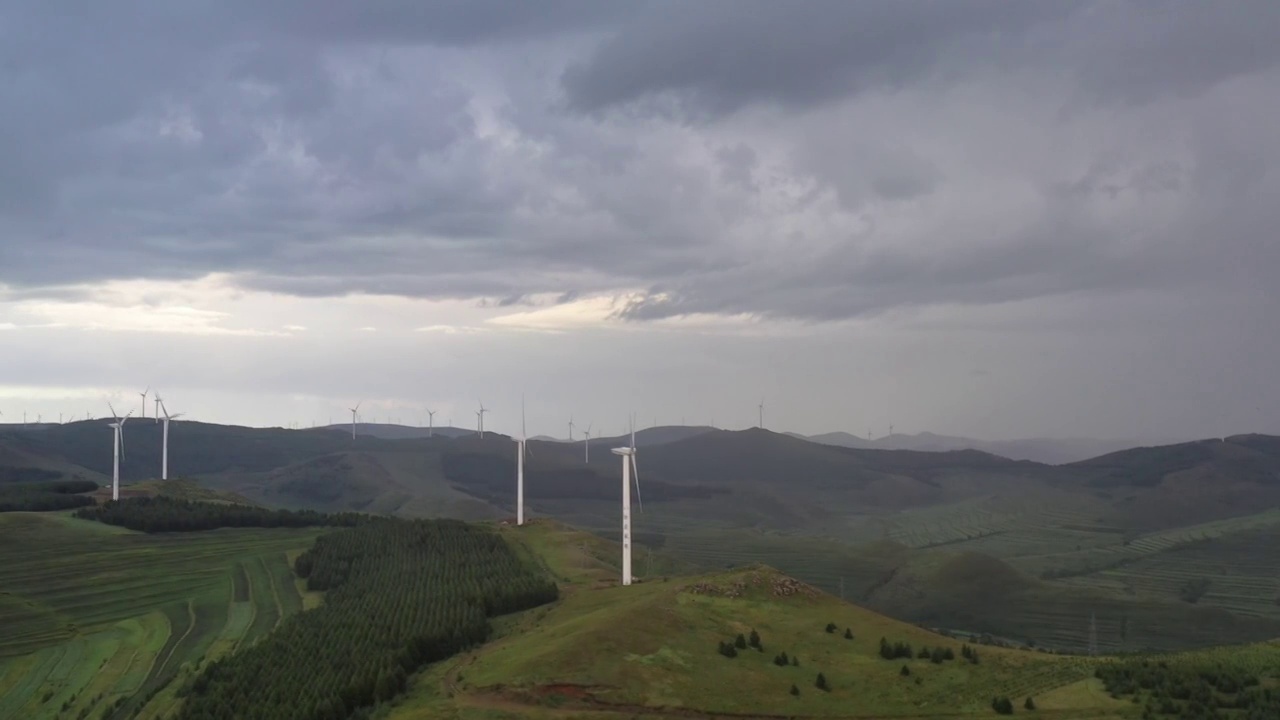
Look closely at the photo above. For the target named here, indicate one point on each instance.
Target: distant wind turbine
(480, 414)
(157, 412)
(761, 413)
(570, 428)
(431, 423)
(586, 444)
(118, 449)
(144, 401)
(629, 469)
(164, 452)
(354, 411)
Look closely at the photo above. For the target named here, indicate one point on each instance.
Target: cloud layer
(743, 165)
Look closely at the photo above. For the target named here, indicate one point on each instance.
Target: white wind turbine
(570, 428)
(431, 423)
(629, 468)
(156, 414)
(761, 413)
(586, 444)
(144, 401)
(521, 449)
(354, 410)
(164, 452)
(118, 449)
(480, 417)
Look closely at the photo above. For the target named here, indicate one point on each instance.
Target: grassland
(650, 650)
(95, 615)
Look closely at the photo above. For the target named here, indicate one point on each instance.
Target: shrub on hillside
(821, 682)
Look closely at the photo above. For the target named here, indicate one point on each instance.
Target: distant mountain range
(1051, 451)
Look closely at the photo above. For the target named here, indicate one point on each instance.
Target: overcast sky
(974, 217)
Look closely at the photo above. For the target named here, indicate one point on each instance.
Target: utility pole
(1093, 635)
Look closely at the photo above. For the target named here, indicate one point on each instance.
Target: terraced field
(95, 615)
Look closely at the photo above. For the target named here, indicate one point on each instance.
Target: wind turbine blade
(635, 473)
(120, 434)
(113, 410)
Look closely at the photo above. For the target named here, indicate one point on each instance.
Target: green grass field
(650, 650)
(93, 614)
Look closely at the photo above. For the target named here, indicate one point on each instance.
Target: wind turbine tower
(586, 444)
(156, 414)
(521, 448)
(164, 452)
(144, 401)
(354, 411)
(431, 423)
(629, 468)
(570, 428)
(480, 414)
(117, 449)
(761, 413)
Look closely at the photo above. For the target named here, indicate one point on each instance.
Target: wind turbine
(118, 449)
(354, 410)
(761, 413)
(629, 468)
(144, 401)
(521, 449)
(431, 423)
(156, 414)
(164, 453)
(480, 414)
(586, 444)
(570, 428)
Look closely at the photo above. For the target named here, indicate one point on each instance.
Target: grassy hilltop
(651, 650)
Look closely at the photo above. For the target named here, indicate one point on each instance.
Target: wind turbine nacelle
(622, 451)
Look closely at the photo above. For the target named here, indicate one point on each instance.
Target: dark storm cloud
(503, 149)
(717, 56)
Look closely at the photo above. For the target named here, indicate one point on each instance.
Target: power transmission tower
(1093, 635)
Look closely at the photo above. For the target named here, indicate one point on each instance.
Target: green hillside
(94, 615)
(652, 649)
(1166, 546)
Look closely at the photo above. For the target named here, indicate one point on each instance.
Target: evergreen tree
(740, 642)
(905, 671)
(821, 682)
(795, 690)
(755, 640)
(1029, 704)
(1002, 705)
(848, 634)
(948, 654)
(924, 653)
(795, 661)
(831, 627)
(937, 656)
(886, 650)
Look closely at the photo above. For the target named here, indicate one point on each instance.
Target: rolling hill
(1051, 451)
(652, 650)
(1125, 534)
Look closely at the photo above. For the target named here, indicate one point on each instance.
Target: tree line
(166, 514)
(400, 595)
(1192, 691)
(45, 496)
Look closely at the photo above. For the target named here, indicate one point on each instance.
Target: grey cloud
(333, 152)
(711, 58)
(717, 56)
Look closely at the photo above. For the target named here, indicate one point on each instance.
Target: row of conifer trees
(400, 594)
(166, 514)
